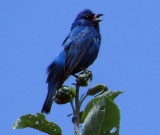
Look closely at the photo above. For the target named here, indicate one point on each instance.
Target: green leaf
(73, 91)
(109, 94)
(96, 89)
(103, 117)
(38, 122)
(88, 108)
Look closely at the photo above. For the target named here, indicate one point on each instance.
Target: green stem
(73, 107)
(77, 111)
(83, 99)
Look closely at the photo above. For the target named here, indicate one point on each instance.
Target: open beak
(96, 18)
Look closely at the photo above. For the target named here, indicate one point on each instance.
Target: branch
(83, 99)
(73, 108)
(77, 111)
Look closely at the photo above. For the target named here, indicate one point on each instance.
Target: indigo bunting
(78, 52)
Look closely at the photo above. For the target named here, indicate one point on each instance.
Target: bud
(64, 95)
(85, 78)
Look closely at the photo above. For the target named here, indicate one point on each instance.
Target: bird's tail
(49, 100)
(55, 80)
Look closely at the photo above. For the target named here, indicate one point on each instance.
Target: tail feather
(49, 101)
(55, 80)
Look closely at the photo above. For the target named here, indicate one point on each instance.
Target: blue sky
(31, 33)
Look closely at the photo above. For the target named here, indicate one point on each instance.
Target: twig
(73, 107)
(77, 111)
(83, 99)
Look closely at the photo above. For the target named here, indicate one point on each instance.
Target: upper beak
(96, 18)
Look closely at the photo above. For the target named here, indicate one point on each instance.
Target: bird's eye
(86, 17)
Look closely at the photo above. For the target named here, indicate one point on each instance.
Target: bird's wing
(75, 46)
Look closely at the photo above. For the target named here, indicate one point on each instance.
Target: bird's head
(87, 18)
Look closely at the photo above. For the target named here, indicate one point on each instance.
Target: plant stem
(83, 99)
(77, 111)
(73, 107)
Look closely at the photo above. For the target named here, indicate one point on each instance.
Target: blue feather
(78, 52)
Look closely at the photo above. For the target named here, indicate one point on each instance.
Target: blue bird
(78, 52)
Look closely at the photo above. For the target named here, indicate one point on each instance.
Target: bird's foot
(76, 76)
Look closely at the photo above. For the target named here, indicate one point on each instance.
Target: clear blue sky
(31, 33)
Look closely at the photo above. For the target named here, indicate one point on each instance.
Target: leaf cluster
(101, 116)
